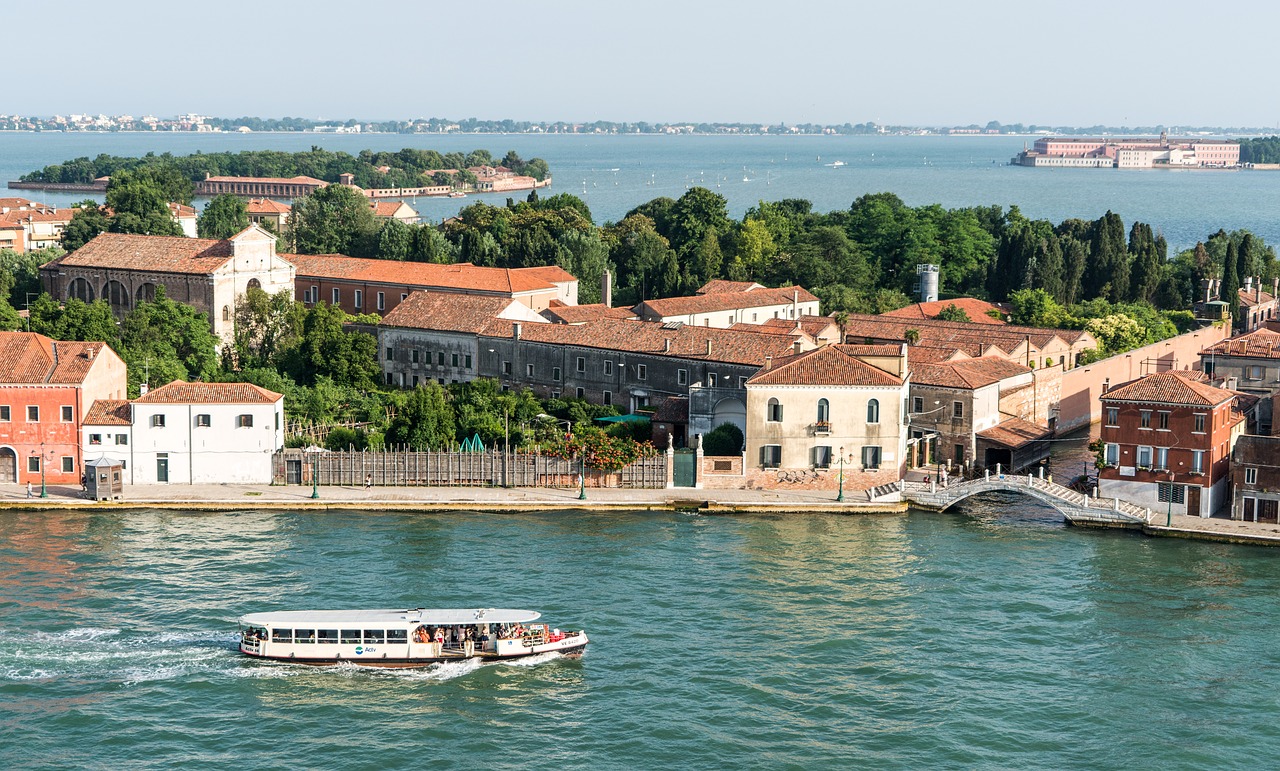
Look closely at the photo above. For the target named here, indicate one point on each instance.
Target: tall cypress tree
(1229, 292)
(1146, 263)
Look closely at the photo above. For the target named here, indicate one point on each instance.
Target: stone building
(1255, 479)
(1249, 364)
(266, 212)
(205, 273)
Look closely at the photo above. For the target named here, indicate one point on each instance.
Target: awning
(633, 418)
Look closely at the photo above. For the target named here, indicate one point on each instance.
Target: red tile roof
(162, 254)
(182, 392)
(716, 285)
(28, 358)
(1172, 388)
(1260, 344)
(831, 365)
(1013, 432)
(723, 301)
(424, 275)
(977, 310)
(109, 412)
(552, 274)
(181, 211)
(1251, 297)
(577, 314)
(964, 373)
(299, 180)
(447, 311)
(267, 206)
(973, 339)
(388, 208)
(673, 409)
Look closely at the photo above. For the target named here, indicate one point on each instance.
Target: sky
(896, 62)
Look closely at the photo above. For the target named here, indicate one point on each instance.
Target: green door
(684, 471)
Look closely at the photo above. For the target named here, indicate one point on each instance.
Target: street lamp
(840, 497)
(315, 476)
(44, 490)
(1168, 517)
(582, 481)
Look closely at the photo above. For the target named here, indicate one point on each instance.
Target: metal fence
(390, 468)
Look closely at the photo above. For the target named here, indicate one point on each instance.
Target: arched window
(254, 284)
(774, 414)
(146, 293)
(873, 411)
(824, 411)
(80, 289)
(226, 313)
(116, 295)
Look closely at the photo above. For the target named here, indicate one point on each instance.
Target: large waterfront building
(1130, 153)
(256, 187)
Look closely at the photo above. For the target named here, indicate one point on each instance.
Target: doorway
(162, 470)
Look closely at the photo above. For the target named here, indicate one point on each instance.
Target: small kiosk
(103, 479)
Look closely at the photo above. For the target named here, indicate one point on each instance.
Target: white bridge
(1078, 508)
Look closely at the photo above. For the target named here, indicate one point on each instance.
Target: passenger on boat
(440, 635)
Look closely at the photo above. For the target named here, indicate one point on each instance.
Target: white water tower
(928, 282)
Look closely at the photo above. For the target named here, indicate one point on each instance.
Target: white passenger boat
(402, 638)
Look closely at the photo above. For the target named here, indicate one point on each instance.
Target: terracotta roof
(300, 180)
(162, 254)
(723, 301)
(109, 412)
(447, 311)
(181, 211)
(1251, 297)
(831, 365)
(651, 337)
(1174, 388)
(389, 208)
(267, 206)
(965, 373)
(182, 392)
(977, 310)
(577, 314)
(552, 274)
(1262, 344)
(26, 357)
(716, 285)
(1013, 432)
(17, 203)
(972, 338)
(673, 409)
(425, 275)
(16, 217)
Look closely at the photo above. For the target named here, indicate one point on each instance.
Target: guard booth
(104, 479)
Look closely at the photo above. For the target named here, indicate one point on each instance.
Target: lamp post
(315, 476)
(840, 496)
(44, 490)
(1168, 516)
(582, 477)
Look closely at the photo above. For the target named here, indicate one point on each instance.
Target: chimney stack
(666, 345)
(1257, 290)
(1248, 284)
(515, 330)
(142, 389)
(708, 346)
(606, 288)
(796, 346)
(768, 363)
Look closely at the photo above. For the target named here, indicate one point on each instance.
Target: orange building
(46, 387)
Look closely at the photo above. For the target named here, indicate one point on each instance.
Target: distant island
(409, 171)
(204, 123)
(1164, 152)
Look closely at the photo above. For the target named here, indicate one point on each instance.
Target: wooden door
(1193, 500)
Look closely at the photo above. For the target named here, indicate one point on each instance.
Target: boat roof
(432, 616)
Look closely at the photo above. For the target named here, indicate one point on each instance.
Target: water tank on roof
(928, 282)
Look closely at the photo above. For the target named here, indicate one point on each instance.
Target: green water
(993, 638)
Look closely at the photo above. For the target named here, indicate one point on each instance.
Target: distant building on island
(1137, 153)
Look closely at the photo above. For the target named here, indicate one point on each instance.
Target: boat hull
(574, 651)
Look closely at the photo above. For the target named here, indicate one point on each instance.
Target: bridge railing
(951, 492)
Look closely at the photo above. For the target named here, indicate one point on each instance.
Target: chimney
(606, 288)
(768, 363)
(666, 345)
(1257, 290)
(708, 346)
(1248, 284)
(515, 330)
(796, 346)
(142, 389)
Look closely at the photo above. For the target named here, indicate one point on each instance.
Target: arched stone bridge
(1077, 508)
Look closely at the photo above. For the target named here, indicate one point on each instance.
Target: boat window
(373, 635)
(327, 636)
(282, 635)
(397, 636)
(304, 635)
(350, 636)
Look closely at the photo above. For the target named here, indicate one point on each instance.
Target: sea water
(989, 637)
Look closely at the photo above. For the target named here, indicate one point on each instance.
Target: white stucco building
(189, 433)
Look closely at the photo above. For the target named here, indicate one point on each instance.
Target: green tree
(139, 204)
(86, 223)
(334, 220)
(1036, 308)
(326, 349)
(20, 274)
(395, 241)
(953, 312)
(9, 318)
(425, 421)
(267, 327)
(1229, 292)
(1116, 332)
(74, 320)
(724, 439)
(163, 340)
(224, 216)
(586, 256)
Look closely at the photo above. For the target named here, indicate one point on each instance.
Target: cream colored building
(809, 410)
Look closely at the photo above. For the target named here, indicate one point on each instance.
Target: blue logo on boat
(359, 650)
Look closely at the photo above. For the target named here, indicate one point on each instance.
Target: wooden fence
(389, 468)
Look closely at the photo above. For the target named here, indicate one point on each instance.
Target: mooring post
(987, 472)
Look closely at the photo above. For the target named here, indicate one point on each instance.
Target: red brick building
(46, 387)
(1167, 442)
(1255, 479)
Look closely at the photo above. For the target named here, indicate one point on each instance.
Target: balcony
(821, 428)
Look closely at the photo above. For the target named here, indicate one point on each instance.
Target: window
(642, 372)
(821, 456)
(957, 410)
(1162, 421)
(774, 412)
(682, 377)
(359, 302)
(555, 374)
(203, 421)
(581, 393)
(33, 413)
(415, 381)
(1144, 456)
(337, 295)
(1113, 416)
(1199, 428)
(771, 455)
(440, 358)
(413, 356)
(157, 421)
(33, 464)
(1197, 461)
(95, 438)
(6, 414)
(404, 296)
(122, 440)
(528, 370)
(506, 367)
(391, 353)
(873, 411)
(582, 365)
(742, 382)
(390, 379)
(608, 398)
(556, 394)
(245, 421)
(917, 404)
(468, 365)
(453, 360)
(608, 368)
(1113, 455)
(1254, 372)
(68, 464)
(315, 295)
(1167, 492)
(1251, 476)
(68, 413)
(871, 457)
(382, 301)
(958, 458)
(824, 411)
(1146, 418)
(1162, 457)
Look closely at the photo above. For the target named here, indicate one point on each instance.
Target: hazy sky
(825, 61)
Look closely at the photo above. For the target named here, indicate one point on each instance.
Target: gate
(684, 470)
(293, 472)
